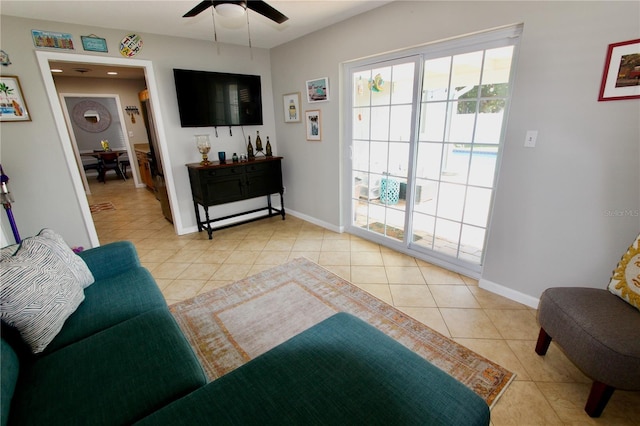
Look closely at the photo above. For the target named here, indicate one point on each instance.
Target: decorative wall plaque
(93, 43)
(130, 45)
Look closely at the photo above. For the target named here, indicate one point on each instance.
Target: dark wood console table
(217, 184)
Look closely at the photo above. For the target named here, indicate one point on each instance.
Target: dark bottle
(250, 149)
(234, 158)
(269, 152)
(258, 143)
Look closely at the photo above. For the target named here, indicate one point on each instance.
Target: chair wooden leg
(544, 340)
(598, 398)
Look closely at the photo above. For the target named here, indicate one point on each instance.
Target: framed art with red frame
(621, 76)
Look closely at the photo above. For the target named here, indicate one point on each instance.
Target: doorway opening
(96, 121)
(78, 60)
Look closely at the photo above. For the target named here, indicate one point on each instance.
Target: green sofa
(121, 359)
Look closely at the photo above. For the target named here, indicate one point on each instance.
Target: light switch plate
(531, 138)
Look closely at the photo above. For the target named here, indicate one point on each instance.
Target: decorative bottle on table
(250, 149)
(258, 143)
(269, 152)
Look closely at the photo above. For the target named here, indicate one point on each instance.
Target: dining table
(104, 157)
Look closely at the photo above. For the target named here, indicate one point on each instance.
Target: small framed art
(318, 90)
(313, 125)
(621, 75)
(13, 107)
(52, 39)
(291, 105)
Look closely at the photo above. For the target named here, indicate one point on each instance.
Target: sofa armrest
(111, 259)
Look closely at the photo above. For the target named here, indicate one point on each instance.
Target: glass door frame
(416, 60)
(504, 36)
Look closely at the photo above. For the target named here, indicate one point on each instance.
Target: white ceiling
(165, 17)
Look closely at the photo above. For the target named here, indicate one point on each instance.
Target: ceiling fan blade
(202, 6)
(264, 9)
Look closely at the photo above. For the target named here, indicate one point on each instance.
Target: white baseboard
(329, 226)
(509, 293)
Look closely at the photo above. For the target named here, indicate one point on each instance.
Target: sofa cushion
(625, 282)
(39, 291)
(341, 371)
(9, 369)
(109, 302)
(114, 377)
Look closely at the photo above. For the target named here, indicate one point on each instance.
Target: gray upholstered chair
(599, 332)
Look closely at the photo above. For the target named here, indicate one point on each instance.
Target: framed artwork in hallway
(291, 105)
(621, 75)
(313, 125)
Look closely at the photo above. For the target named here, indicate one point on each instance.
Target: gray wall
(32, 152)
(550, 224)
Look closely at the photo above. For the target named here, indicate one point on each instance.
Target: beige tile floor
(547, 390)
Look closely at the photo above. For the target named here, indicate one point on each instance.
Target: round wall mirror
(91, 116)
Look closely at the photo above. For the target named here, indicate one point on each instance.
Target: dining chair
(124, 163)
(95, 165)
(111, 161)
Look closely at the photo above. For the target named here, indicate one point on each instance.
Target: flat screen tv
(218, 99)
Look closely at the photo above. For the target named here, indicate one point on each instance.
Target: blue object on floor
(389, 191)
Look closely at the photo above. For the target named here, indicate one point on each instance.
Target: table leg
(198, 221)
(282, 204)
(209, 227)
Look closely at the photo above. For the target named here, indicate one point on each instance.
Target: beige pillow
(625, 282)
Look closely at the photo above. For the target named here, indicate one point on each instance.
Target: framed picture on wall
(621, 75)
(52, 39)
(318, 90)
(13, 107)
(313, 125)
(291, 105)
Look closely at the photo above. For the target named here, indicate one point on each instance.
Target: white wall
(550, 225)
(32, 154)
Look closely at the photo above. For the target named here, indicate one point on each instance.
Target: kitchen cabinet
(145, 169)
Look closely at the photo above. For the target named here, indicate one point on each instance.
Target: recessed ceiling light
(56, 70)
(112, 73)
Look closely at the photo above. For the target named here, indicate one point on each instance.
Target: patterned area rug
(231, 325)
(100, 207)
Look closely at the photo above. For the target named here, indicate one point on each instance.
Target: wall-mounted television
(218, 99)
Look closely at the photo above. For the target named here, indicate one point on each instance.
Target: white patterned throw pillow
(74, 262)
(39, 290)
(8, 251)
(625, 281)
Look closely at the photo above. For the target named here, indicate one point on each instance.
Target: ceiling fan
(231, 8)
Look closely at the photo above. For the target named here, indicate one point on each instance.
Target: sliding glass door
(383, 117)
(425, 137)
